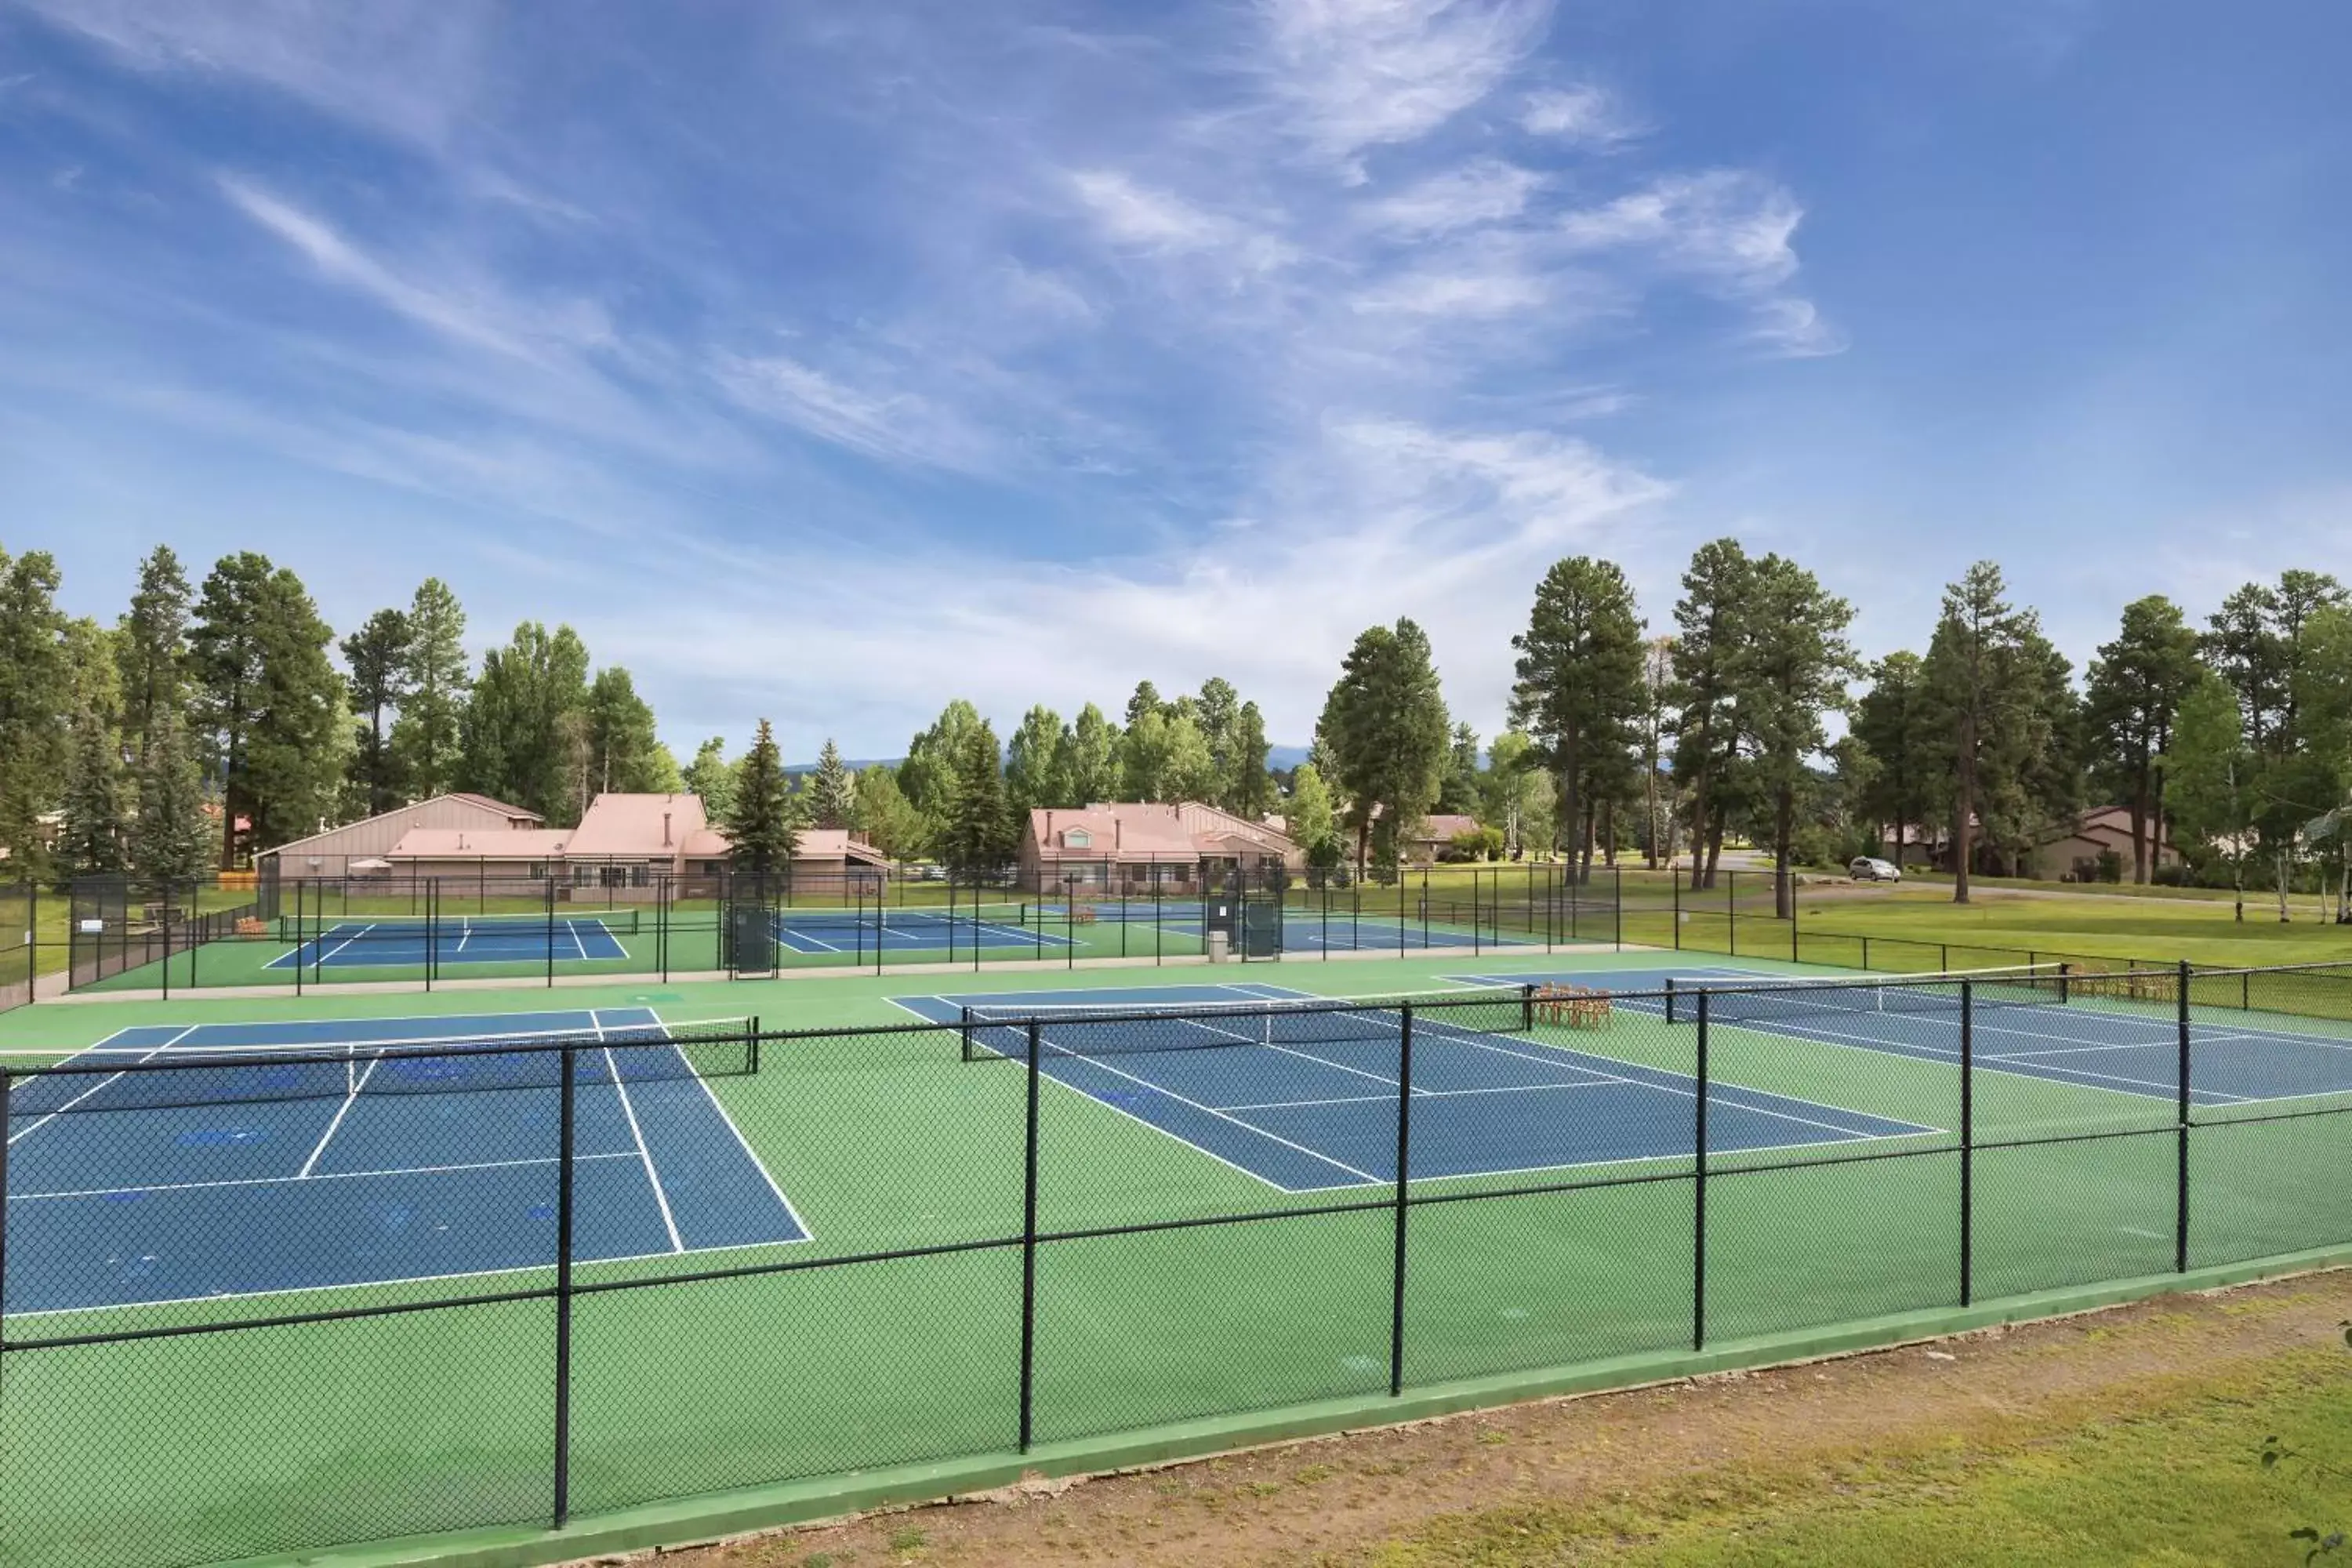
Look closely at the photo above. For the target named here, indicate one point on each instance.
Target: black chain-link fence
(262, 1300)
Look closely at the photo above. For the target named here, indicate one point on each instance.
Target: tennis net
(1002, 1033)
(1795, 1001)
(888, 918)
(417, 928)
(44, 1084)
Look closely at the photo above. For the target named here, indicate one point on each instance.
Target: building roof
(476, 844)
(489, 802)
(1444, 825)
(836, 844)
(636, 827)
(514, 815)
(1133, 829)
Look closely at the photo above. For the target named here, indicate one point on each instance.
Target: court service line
(669, 1220)
(1210, 1110)
(341, 1111)
(1596, 1081)
(328, 1176)
(757, 1164)
(17, 1138)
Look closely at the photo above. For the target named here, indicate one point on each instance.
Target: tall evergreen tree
(1989, 687)
(171, 839)
(1579, 686)
(378, 658)
(36, 688)
(928, 775)
(151, 651)
(1146, 699)
(978, 836)
(1793, 666)
(885, 816)
(1218, 714)
(428, 738)
(1385, 729)
(761, 822)
(1709, 625)
(1650, 727)
(2137, 684)
(91, 837)
(1458, 793)
(1249, 789)
(833, 790)
(272, 708)
(1911, 764)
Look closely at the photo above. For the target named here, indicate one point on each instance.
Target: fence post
(550, 928)
(1676, 874)
(1029, 1250)
(1968, 1142)
(4, 1207)
(299, 905)
(167, 942)
(1403, 1152)
(33, 948)
(1698, 1194)
(563, 1223)
(1731, 909)
(2180, 1220)
(1793, 950)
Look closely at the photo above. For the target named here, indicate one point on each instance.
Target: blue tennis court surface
(350, 945)
(2089, 1040)
(1304, 931)
(114, 1202)
(1309, 1116)
(908, 930)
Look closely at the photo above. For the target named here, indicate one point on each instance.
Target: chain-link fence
(258, 1299)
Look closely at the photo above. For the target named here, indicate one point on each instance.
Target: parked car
(1869, 868)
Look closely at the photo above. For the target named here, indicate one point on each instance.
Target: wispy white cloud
(1580, 115)
(893, 424)
(1485, 190)
(1357, 74)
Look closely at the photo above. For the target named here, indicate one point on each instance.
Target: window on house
(538, 870)
(1077, 838)
(639, 875)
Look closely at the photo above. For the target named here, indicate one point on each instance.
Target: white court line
(329, 1177)
(669, 1221)
(341, 1111)
(757, 1164)
(571, 928)
(17, 1138)
(1596, 1081)
(786, 932)
(1210, 1110)
(1285, 1050)
(2074, 1077)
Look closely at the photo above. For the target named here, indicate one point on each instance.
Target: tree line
(213, 719)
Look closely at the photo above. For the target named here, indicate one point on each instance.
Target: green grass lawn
(2166, 1473)
(2201, 931)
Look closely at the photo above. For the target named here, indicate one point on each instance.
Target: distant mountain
(1281, 759)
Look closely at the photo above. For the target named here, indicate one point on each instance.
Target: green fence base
(689, 1521)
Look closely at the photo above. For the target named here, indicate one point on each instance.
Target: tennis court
(1337, 930)
(2079, 1033)
(334, 1153)
(1306, 1101)
(388, 944)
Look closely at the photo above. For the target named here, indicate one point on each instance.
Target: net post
(1699, 1191)
(755, 1043)
(563, 1226)
(2245, 991)
(1968, 1142)
(1029, 1251)
(1403, 1152)
(964, 1032)
(1670, 998)
(1526, 1005)
(2065, 983)
(2180, 1173)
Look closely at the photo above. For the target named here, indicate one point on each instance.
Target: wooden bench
(1572, 1007)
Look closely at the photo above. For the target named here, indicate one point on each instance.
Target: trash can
(1220, 947)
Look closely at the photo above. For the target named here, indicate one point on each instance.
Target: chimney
(1116, 824)
(664, 829)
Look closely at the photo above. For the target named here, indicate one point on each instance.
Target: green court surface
(1168, 1284)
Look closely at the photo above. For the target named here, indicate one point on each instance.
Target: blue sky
(826, 362)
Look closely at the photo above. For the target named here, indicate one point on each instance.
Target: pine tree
(1090, 764)
(1249, 790)
(151, 650)
(1579, 686)
(1032, 763)
(1911, 765)
(428, 738)
(378, 658)
(171, 838)
(1980, 690)
(1146, 699)
(979, 833)
(526, 731)
(91, 837)
(35, 706)
(760, 820)
(1385, 729)
(1793, 667)
(2136, 688)
(624, 752)
(1708, 624)
(832, 790)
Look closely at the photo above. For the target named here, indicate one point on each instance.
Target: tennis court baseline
(270, 1186)
(354, 943)
(1307, 1115)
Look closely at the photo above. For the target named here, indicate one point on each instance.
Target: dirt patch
(1330, 1499)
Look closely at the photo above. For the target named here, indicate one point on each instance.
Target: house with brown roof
(363, 848)
(1434, 836)
(1125, 849)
